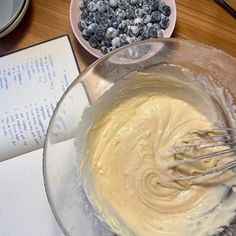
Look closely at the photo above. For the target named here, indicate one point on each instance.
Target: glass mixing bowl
(63, 186)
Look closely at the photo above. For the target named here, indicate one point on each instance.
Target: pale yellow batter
(128, 154)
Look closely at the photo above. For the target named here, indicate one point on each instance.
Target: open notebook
(32, 81)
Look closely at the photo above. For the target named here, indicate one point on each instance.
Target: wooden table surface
(202, 20)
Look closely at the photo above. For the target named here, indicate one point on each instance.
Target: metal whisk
(220, 137)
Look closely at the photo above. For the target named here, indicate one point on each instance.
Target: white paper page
(31, 83)
(24, 209)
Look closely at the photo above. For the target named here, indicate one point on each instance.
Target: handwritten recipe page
(31, 83)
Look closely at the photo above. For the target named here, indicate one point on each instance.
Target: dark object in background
(226, 5)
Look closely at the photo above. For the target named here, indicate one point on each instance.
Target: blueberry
(129, 32)
(93, 41)
(161, 4)
(134, 30)
(110, 9)
(152, 32)
(100, 33)
(86, 34)
(82, 5)
(116, 42)
(98, 17)
(147, 19)
(156, 26)
(110, 49)
(140, 3)
(84, 13)
(156, 16)
(131, 39)
(89, 20)
(92, 6)
(139, 12)
(101, 6)
(166, 10)
(104, 23)
(129, 22)
(142, 37)
(122, 28)
(149, 25)
(91, 28)
(123, 5)
(92, 15)
(130, 13)
(106, 42)
(82, 25)
(110, 13)
(105, 50)
(123, 39)
(146, 9)
(155, 5)
(114, 22)
(120, 13)
(111, 32)
(141, 29)
(133, 2)
(138, 21)
(164, 23)
(113, 3)
(160, 33)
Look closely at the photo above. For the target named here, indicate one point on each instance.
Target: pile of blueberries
(110, 24)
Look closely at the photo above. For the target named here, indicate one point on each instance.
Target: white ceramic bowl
(9, 10)
(14, 22)
(75, 16)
